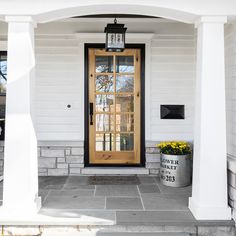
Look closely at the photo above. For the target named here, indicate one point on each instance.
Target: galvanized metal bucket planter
(175, 170)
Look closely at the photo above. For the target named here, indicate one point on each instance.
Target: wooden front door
(114, 107)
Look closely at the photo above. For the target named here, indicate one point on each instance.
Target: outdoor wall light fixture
(115, 37)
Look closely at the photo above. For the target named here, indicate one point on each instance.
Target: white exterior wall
(230, 61)
(60, 81)
(172, 82)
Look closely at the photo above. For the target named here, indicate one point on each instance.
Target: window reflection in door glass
(124, 64)
(105, 142)
(124, 83)
(124, 122)
(105, 122)
(104, 64)
(124, 142)
(124, 103)
(105, 103)
(105, 83)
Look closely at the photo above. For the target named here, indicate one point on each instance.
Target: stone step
(114, 234)
(97, 233)
(141, 230)
(142, 234)
(114, 171)
(92, 231)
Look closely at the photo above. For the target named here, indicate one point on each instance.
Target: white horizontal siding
(230, 72)
(172, 82)
(58, 84)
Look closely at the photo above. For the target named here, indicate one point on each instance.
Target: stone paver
(86, 214)
(153, 217)
(149, 188)
(78, 182)
(52, 182)
(116, 190)
(165, 202)
(125, 203)
(147, 180)
(172, 190)
(72, 193)
(71, 202)
(74, 187)
(144, 201)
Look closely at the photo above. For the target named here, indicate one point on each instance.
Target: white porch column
(209, 195)
(20, 162)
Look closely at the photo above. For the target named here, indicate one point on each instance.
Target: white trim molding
(210, 203)
(210, 19)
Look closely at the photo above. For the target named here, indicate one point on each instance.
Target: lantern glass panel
(111, 38)
(119, 41)
(115, 40)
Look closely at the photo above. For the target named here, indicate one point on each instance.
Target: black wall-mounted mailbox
(172, 111)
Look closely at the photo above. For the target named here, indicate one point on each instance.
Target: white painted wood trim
(121, 20)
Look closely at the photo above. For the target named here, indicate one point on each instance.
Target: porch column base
(24, 211)
(21, 212)
(208, 212)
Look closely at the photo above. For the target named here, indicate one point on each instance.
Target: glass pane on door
(105, 83)
(105, 142)
(125, 103)
(105, 122)
(124, 142)
(124, 122)
(105, 103)
(125, 64)
(104, 64)
(124, 83)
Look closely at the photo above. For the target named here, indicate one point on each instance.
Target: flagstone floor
(143, 199)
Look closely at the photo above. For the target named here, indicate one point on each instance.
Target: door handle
(91, 112)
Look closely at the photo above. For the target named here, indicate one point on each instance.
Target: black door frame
(86, 106)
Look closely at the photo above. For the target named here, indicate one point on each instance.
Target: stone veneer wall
(152, 158)
(232, 184)
(67, 158)
(1, 157)
(58, 159)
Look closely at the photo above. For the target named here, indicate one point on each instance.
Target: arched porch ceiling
(46, 11)
(131, 9)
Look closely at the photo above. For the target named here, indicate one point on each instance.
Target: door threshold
(114, 171)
